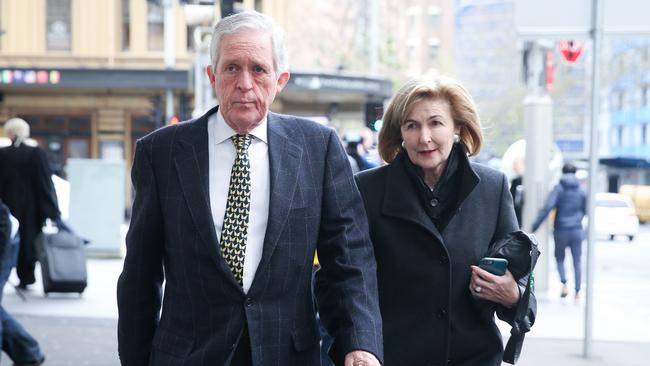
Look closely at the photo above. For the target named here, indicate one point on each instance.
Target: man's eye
(231, 68)
(259, 70)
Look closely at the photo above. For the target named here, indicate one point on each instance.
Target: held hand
(361, 358)
(500, 289)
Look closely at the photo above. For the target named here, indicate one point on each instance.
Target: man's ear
(211, 75)
(282, 81)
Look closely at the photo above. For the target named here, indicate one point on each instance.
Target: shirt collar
(223, 132)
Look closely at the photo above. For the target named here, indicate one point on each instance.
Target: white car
(615, 215)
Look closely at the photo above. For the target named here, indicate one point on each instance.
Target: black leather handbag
(521, 251)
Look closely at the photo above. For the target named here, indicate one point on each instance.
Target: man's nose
(245, 81)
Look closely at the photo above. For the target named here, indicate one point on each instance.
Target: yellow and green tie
(235, 221)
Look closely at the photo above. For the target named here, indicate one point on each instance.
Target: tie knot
(242, 142)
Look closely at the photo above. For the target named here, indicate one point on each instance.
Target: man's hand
(361, 358)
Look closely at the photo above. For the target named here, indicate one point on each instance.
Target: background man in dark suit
(26, 188)
(281, 183)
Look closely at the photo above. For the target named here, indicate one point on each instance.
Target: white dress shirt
(222, 155)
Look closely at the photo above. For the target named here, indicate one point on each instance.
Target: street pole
(170, 54)
(596, 36)
(373, 34)
(538, 130)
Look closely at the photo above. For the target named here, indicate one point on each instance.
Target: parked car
(615, 215)
(640, 196)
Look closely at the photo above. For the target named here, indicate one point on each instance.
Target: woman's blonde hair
(463, 112)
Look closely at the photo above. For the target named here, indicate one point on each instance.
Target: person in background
(517, 188)
(229, 210)
(352, 149)
(433, 215)
(26, 188)
(570, 202)
(16, 342)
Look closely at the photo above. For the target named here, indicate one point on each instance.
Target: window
(155, 25)
(644, 134)
(126, 25)
(58, 25)
(434, 49)
(434, 18)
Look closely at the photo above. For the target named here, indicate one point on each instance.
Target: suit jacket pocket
(170, 343)
(305, 338)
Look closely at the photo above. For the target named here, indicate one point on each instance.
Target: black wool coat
(429, 315)
(26, 188)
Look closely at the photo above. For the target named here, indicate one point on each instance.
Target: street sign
(570, 50)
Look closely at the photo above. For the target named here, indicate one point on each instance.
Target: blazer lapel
(284, 163)
(401, 200)
(192, 164)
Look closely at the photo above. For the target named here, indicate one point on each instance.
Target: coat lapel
(285, 158)
(191, 157)
(401, 200)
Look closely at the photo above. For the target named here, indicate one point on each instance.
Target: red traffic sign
(570, 50)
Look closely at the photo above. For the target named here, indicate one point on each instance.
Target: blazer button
(249, 302)
(434, 202)
(444, 259)
(441, 314)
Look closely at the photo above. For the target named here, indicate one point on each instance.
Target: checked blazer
(314, 204)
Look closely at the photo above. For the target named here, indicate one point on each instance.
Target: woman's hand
(500, 289)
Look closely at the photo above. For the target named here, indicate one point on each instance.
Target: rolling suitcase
(63, 262)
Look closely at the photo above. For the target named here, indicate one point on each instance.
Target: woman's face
(428, 134)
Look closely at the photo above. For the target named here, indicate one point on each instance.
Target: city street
(77, 330)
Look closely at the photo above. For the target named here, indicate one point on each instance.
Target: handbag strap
(516, 341)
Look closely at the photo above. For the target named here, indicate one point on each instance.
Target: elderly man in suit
(229, 210)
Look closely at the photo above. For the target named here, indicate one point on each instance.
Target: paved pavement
(77, 330)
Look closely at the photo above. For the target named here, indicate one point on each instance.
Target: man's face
(244, 79)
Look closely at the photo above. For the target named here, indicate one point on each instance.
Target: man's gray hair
(255, 21)
(19, 128)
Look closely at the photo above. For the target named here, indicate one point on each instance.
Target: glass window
(434, 18)
(434, 49)
(155, 25)
(126, 25)
(78, 148)
(58, 25)
(111, 150)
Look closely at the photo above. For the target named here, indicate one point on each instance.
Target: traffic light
(155, 112)
(174, 120)
(373, 115)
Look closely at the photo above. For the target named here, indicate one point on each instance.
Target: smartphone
(496, 266)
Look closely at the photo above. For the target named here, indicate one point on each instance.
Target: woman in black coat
(433, 215)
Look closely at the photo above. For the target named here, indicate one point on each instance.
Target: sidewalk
(77, 330)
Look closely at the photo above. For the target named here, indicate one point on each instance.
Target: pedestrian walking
(16, 342)
(570, 202)
(26, 188)
(229, 210)
(433, 215)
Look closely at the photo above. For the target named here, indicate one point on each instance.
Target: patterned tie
(235, 221)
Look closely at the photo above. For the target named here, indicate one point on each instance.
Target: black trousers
(243, 356)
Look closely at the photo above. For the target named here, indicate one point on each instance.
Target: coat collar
(401, 199)
(285, 161)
